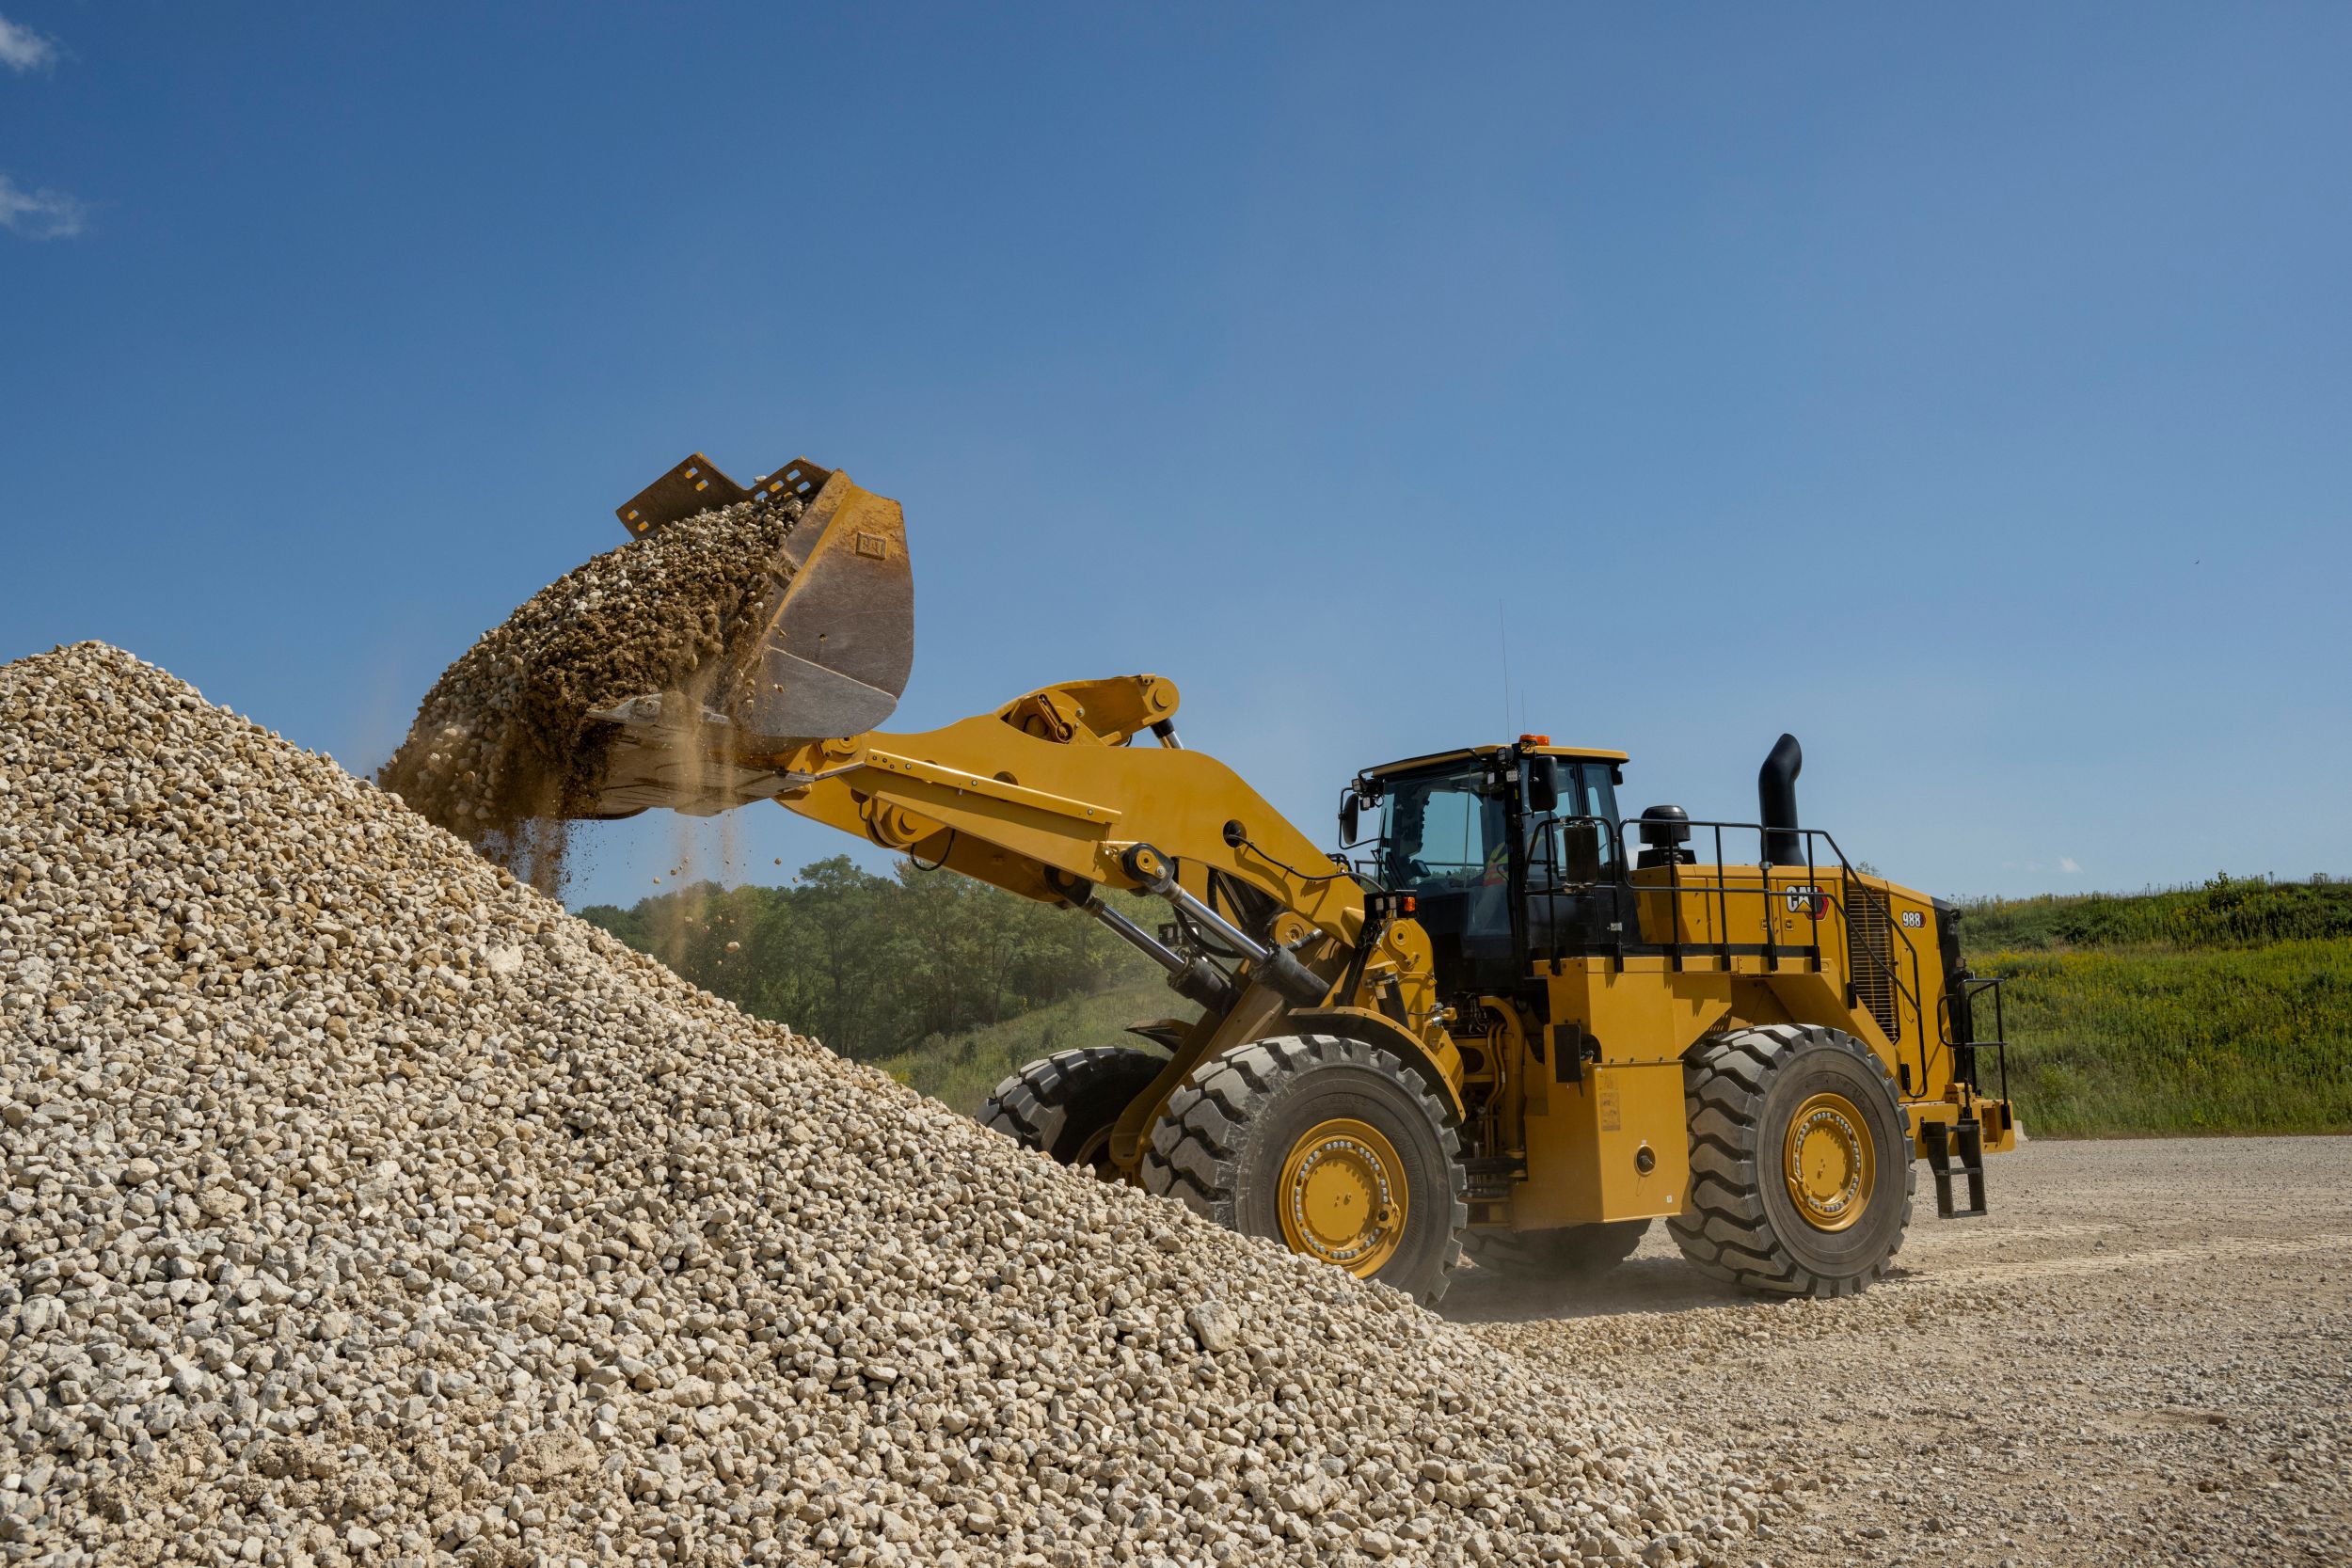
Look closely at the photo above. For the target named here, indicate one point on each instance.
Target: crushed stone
(496, 752)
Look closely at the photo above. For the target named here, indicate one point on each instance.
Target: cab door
(1579, 899)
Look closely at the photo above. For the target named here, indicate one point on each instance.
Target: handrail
(1972, 987)
(1720, 886)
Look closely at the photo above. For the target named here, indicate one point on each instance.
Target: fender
(1363, 1023)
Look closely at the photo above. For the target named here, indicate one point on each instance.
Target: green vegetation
(869, 964)
(2227, 911)
(2221, 1008)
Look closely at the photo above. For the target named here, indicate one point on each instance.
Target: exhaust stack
(1776, 802)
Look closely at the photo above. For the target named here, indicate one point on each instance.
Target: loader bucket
(827, 655)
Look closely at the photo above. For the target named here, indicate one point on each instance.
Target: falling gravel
(496, 755)
(366, 1208)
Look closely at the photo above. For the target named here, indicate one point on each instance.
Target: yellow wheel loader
(1521, 1022)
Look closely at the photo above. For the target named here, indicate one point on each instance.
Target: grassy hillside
(2221, 1009)
(2227, 911)
(961, 1068)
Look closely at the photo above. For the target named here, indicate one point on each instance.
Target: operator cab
(1509, 852)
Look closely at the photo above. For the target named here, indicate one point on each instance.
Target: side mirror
(1543, 783)
(1349, 806)
(1579, 853)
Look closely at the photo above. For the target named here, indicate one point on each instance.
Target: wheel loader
(1508, 1016)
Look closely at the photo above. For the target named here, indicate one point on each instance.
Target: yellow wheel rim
(1343, 1197)
(1831, 1164)
(1095, 1154)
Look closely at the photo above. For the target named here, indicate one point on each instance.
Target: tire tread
(1032, 1106)
(1194, 1154)
(1724, 1229)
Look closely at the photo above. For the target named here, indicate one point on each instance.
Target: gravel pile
(493, 754)
(365, 1206)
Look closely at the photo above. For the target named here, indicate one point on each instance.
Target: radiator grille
(1870, 936)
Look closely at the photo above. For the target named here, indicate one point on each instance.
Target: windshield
(1442, 832)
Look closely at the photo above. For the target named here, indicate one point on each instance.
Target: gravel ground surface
(363, 1206)
(2142, 1355)
(495, 756)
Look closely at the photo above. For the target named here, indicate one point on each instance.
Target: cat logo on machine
(1809, 901)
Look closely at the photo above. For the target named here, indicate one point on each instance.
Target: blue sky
(1966, 390)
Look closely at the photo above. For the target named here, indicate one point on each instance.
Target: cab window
(1587, 790)
(1442, 833)
(1598, 794)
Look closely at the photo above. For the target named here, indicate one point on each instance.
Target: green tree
(875, 965)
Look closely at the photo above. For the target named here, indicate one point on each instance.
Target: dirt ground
(2143, 1355)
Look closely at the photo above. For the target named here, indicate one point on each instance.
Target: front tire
(1801, 1162)
(1330, 1146)
(1066, 1105)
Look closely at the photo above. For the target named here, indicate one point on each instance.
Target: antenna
(1502, 630)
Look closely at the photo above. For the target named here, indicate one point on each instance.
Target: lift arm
(1048, 797)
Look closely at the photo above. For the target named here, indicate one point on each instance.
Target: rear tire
(1801, 1161)
(1330, 1146)
(1574, 1252)
(1066, 1105)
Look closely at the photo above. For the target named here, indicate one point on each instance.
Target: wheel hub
(1830, 1161)
(1344, 1197)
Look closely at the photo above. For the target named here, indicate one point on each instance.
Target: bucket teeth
(697, 485)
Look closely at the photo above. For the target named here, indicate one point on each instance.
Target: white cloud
(40, 214)
(23, 50)
(2067, 865)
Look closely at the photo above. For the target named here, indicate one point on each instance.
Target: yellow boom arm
(1047, 798)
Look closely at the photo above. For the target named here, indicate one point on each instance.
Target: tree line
(874, 965)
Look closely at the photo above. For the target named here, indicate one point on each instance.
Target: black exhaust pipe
(1777, 798)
